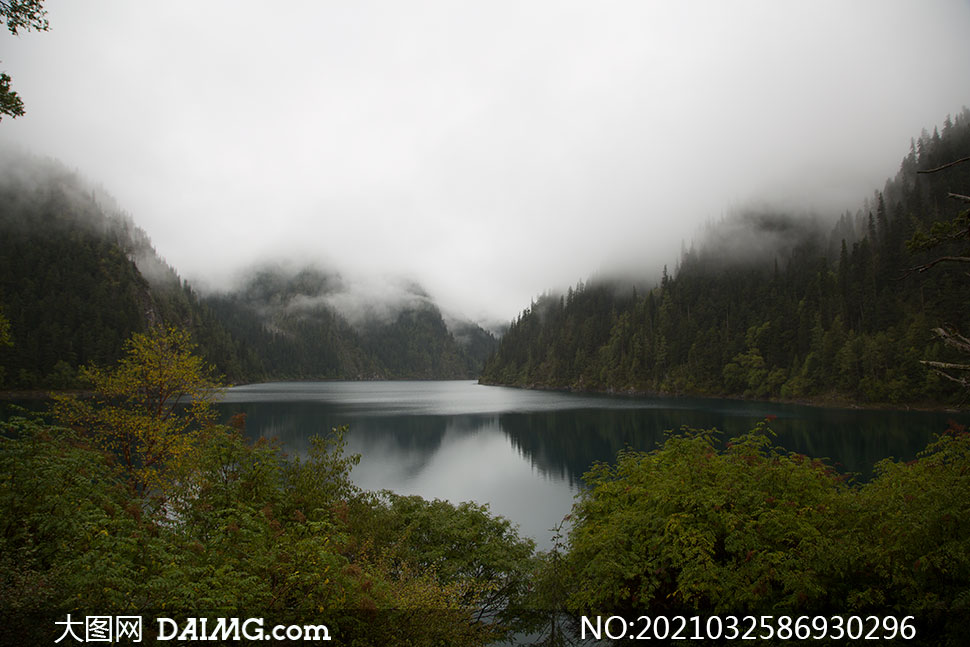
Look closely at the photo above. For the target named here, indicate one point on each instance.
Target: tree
(149, 408)
(6, 338)
(24, 14)
(27, 15)
(68, 534)
(241, 534)
(691, 528)
(941, 236)
(462, 546)
(10, 102)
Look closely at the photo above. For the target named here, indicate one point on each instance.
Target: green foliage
(460, 546)
(143, 504)
(71, 288)
(694, 528)
(950, 241)
(240, 533)
(5, 337)
(149, 408)
(62, 506)
(69, 291)
(915, 517)
(688, 527)
(941, 233)
(19, 15)
(232, 528)
(416, 343)
(10, 102)
(28, 15)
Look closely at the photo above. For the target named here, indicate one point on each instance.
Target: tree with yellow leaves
(148, 410)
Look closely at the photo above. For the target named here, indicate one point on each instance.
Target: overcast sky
(490, 150)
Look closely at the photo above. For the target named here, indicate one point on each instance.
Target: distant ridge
(78, 277)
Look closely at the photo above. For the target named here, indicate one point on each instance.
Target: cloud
(360, 298)
(489, 151)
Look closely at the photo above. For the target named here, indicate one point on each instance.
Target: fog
(361, 298)
(488, 151)
(757, 236)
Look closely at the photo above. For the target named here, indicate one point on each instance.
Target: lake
(524, 452)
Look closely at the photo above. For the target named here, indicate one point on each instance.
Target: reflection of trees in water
(294, 422)
(565, 444)
(410, 440)
(854, 441)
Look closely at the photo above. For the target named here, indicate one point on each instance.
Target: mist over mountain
(767, 302)
(316, 323)
(78, 277)
(770, 303)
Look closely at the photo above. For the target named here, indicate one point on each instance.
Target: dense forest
(78, 277)
(125, 503)
(774, 305)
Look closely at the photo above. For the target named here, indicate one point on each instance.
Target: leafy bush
(691, 528)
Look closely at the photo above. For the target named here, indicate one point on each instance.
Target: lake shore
(39, 394)
(831, 401)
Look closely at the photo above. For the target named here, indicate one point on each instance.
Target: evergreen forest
(78, 277)
(133, 499)
(771, 304)
(124, 495)
(125, 503)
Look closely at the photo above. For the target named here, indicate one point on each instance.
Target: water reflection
(524, 452)
(566, 443)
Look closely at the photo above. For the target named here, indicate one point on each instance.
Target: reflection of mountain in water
(407, 444)
(566, 443)
(411, 441)
(562, 443)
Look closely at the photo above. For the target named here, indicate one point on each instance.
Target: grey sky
(489, 150)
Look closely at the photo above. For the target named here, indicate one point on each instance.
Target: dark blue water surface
(524, 452)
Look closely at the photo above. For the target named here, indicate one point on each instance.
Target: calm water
(524, 452)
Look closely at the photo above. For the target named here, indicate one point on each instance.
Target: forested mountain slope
(78, 277)
(771, 305)
(296, 319)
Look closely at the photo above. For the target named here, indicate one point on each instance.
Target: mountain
(772, 305)
(78, 277)
(313, 324)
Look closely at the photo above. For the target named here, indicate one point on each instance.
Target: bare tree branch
(941, 368)
(942, 259)
(945, 166)
(954, 372)
(946, 365)
(953, 339)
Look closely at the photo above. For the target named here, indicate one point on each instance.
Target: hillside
(772, 305)
(78, 277)
(311, 324)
